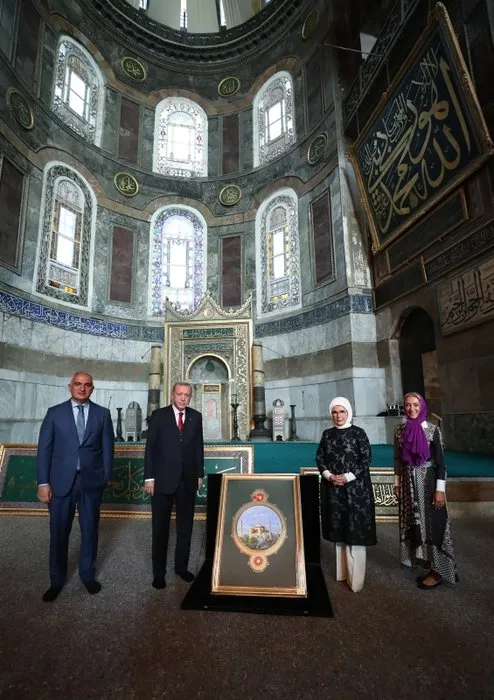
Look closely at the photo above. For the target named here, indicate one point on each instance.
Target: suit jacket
(59, 451)
(170, 453)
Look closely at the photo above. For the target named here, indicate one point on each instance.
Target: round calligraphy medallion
(317, 147)
(126, 184)
(310, 24)
(229, 86)
(20, 109)
(133, 69)
(230, 195)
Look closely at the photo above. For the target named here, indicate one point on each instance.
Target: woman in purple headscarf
(420, 486)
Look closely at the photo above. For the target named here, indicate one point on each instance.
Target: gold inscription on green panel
(229, 86)
(126, 184)
(133, 69)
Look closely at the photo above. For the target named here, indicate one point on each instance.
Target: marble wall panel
(363, 328)
(72, 344)
(328, 335)
(7, 27)
(246, 139)
(109, 136)
(25, 401)
(117, 353)
(7, 400)
(103, 348)
(147, 143)
(370, 395)
(17, 331)
(48, 339)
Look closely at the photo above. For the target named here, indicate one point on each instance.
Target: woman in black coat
(347, 500)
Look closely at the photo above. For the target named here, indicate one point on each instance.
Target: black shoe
(51, 594)
(187, 576)
(159, 583)
(92, 587)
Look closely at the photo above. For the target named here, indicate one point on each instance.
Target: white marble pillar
(202, 16)
(134, 3)
(165, 11)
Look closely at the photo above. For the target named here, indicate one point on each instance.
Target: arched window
(78, 94)
(66, 229)
(180, 138)
(274, 119)
(278, 254)
(178, 250)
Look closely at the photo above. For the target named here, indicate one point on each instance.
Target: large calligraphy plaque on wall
(467, 299)
(427, 134)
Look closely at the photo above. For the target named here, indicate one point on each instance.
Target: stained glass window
(79, 90)
(180, 146)
(278, 253)
(274, 122)
(178, 248)
(68, 208)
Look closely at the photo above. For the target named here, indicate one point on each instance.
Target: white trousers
(350, 565)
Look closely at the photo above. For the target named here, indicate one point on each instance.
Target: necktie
(80, 423)
(180, 420)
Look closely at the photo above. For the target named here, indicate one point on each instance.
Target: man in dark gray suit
(74, 462)
(173, 472)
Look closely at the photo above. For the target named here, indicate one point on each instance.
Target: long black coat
(347, 512)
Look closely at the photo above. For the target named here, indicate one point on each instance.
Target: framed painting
(259, 547)
(382, 480)
(427, 134)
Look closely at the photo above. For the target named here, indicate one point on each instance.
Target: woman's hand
(439, 499)
(338, 479)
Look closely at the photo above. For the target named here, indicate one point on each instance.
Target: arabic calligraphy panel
(428, 134)
(467, 299)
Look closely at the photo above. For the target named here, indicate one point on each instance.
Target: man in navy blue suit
(74, 462)
(173, 472)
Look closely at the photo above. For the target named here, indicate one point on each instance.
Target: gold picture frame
(259, 547)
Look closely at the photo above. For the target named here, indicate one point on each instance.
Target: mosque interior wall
(334, 343)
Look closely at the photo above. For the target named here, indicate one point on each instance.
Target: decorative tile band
(349, 304)
(15, 306)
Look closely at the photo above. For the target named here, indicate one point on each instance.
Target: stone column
(259, 432)
(154, 386)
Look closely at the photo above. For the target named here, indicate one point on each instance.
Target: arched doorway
(418, 359)
(209, 377)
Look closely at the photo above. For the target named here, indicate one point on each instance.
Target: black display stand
(317, 603)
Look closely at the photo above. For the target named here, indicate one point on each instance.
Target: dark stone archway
(418, 360)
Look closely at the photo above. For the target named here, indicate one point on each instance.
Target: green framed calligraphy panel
(125, 494)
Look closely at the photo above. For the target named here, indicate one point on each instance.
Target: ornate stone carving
(208, 310)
